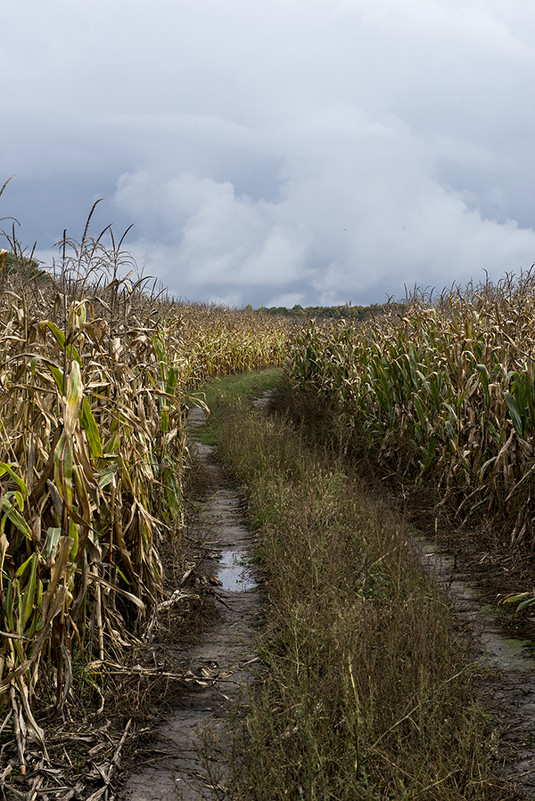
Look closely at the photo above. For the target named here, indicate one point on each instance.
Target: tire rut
(508, 666)
(219, 663)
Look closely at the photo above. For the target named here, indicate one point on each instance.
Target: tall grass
(444, 393)
(95, 373)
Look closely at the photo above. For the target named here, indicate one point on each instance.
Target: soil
(175, 762)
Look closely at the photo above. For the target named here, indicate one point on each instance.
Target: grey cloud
(310, 152)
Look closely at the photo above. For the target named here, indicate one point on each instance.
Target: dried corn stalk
(95, 372)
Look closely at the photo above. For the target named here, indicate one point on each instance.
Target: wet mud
(508, 665)
(219, 664)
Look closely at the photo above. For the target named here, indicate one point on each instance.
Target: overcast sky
(280, 152)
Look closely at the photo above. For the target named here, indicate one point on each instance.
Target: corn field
(443, 392)
(95, 374)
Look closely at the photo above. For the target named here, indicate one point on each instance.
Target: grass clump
(222, 395)
(367, 692)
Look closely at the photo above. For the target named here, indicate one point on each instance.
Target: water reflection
(233, 573)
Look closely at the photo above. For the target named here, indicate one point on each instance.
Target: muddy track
(508, 665)
(219, 662)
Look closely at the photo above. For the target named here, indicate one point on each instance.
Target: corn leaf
(514, 412)
(90, 427)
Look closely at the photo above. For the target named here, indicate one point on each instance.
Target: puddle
(495, 647)
(219, 661)
(233, 573)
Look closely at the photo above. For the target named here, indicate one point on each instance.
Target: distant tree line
(19, 266)
(347, 311)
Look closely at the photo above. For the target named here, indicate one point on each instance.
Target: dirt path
(218, 663)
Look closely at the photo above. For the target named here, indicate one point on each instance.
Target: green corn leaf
(87, 421)
(122, 575)
(73, 533)
(513, 599)
(484, 466)
(72, 353)
(172, 379)
(57, 375)
(434, 384)
(57, 332)
(22, 569)
(13, 515)
(7, 468)
(524, 605)
(485, 379)
(158, 347)
(452, 412)
(8, 606)
(515, 413)
(28, 597)
(420, 411)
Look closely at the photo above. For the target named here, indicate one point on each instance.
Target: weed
(366, 692)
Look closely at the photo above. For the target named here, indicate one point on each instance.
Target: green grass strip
(366, 692)
(224, 395)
